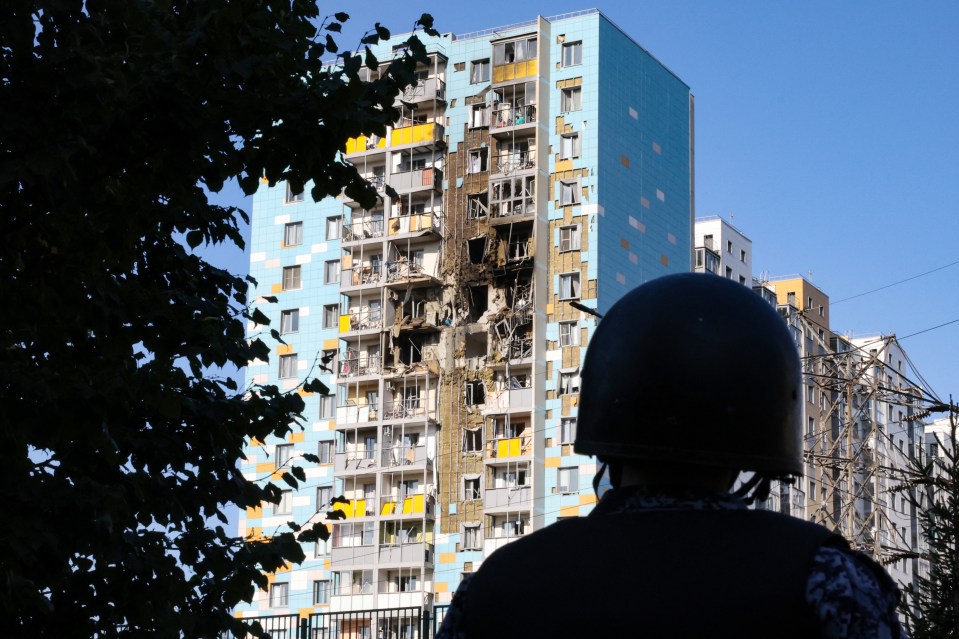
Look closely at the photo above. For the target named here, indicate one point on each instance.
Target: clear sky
(827, 132)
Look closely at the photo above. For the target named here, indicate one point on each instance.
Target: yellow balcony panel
(345, 323)
(355, 508)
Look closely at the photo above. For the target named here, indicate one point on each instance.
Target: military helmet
(694, 369)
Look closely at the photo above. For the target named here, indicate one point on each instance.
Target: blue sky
(828, 132)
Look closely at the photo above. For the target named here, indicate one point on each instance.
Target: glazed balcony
(360, 366)
(425, 179)
(416, 505)
(363, 276)
(427, 225)
(508, 498)
(509, 120)
(504, 448)
(363, 319)
(512, 162)
(424, 91)
(418, 553)
(406, 456)
(414, 135)
(363, 229)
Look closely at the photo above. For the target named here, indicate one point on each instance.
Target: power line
(908, 279)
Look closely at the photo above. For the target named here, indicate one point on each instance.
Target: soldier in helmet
(688, 380)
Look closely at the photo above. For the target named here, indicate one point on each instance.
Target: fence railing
(402, 623)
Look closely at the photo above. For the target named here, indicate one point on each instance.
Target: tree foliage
(931, 602)
(118, 443)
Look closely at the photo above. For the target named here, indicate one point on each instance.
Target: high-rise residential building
(533, 165)
(722, 249)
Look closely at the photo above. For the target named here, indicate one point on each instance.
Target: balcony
(428, 224)
(360, 366)
(429, 178)
(508, 119)
(513, 162)
(356, 508)
(406, 455)
(407, 408)
(424, 91)
(509, 400)
(419, 504)
(366, 275)
(361, 320)
(418, 553)
(362, 144)
(515, 498)
(406, 272)
(353, 556)
(416, 135)
(360, 230)
(502, 448)
(514, 70)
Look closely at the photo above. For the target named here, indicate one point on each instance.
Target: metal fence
(383, 623)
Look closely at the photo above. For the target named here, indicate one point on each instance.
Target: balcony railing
(361, 275)
(505, 447)
(356, 413)
(404, 270)
(407, 505)
(519, 497)
(363, 320)
(404, 455)
(511, 162)
(416, 134)
(506, 115)
(363, 143)
(356, 508)
(363, 230)
(427, 221)
(355, 461)
(417, 552)
(425, 91)
(356, 366)
(405, 408)
(416, 179)
(510, 399)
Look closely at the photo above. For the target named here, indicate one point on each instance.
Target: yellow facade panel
(569, 511)
(331, 344)
(297, 438)
(284, 349)
(447, 557)
(276, 288)
(265, 467)
(564, 165)
(586, 500)
(552, 462)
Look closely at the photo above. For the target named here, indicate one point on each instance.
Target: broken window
(479, 301)
(569, 382)
(476, 248)
(473, 440)
(471, 538)
(570, 146)
(569, 192)
(519, 247)
(567, 430)
(516, 51)
(513, 196)
(514, 156)
(569, 238)
(568, 334)
(475, 392)
(479, 116)
(514, 104)
(569, 286)
(471, 489)
(477, 205)
(477, 160)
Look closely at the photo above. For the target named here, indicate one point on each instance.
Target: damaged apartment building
(533, 165)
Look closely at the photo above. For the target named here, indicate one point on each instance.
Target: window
(331, 315)
(288, 365)
(569, 286)
(477, 161)
(290, 320)
(285, 507)
(471, 489)
(327, 406)
(729, 246)
(516, 51)
(325, 449)
(567, 480)
(321, 591)
(291, 197)
(812, 489)
(742, 256)
(569, 238)
(570, 146)
(729, 273)
(479, 71)
(471, 538)
(479, 116)
(279, 595)
(475, 392)
(568, 193)
(324, 494)
(293, 234)
(321, 548)
(569, 382)
(334, 227)
(331, 272)
(567, 430)
(291, 278)
(571, 100)
(473, 441)
(568, 334)
(513, 196)
(742, 280)
(572, 53)
(283, 452)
